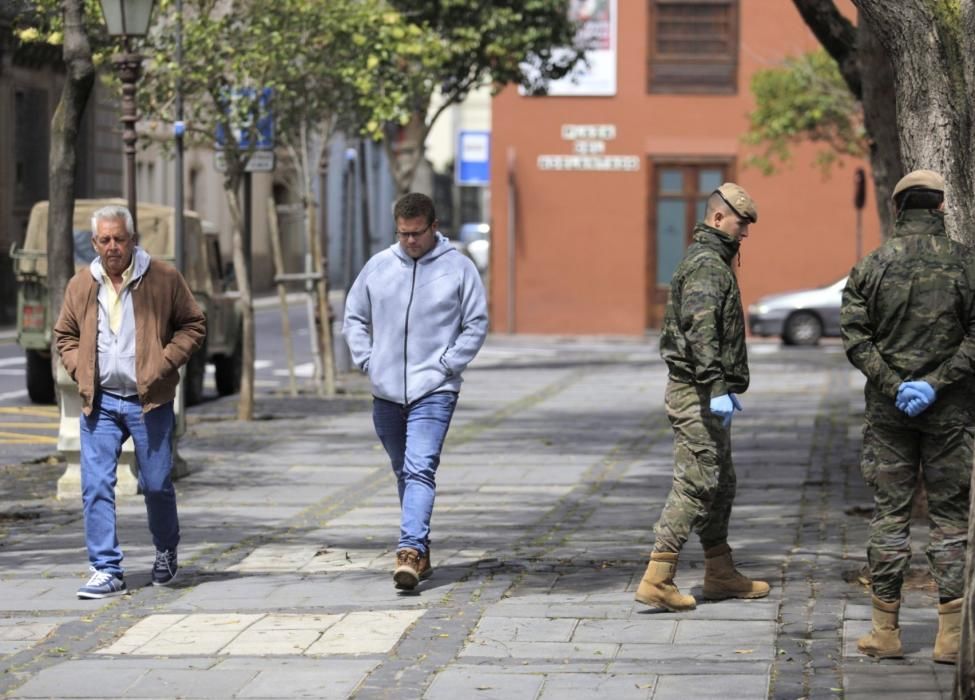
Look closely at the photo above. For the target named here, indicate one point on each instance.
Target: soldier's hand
(723, 407)
(910, 401)
(915, 397)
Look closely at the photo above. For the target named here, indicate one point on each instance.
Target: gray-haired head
(113, 212)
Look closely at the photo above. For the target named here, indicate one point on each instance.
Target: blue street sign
(263, 120)
(473, 158)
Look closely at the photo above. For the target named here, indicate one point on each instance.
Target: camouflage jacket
(703, 338)
(909, 308)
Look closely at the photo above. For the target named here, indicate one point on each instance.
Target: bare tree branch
(837, 34)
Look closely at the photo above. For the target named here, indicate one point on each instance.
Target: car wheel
(802, 328)
(195, 374)
(230, 367)
(40, 379)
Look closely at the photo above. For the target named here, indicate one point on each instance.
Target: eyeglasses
(415, 235)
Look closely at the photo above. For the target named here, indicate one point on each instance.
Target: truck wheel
(40, 380)
(229, 368)
(195, 373)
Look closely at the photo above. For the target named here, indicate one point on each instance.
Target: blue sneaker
(164, 568)
(102, 584)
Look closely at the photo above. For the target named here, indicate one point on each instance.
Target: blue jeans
(113, 419)
(413, 436)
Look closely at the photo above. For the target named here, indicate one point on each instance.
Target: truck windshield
(84, 251)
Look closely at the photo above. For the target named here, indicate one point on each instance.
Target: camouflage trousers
(704, 483)
(897, 451)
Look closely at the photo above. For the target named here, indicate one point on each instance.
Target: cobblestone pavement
(555, 470)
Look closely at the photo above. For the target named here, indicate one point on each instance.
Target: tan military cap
(925, 179)
(740, 202)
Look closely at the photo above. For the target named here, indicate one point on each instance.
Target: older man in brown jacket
(128, 323)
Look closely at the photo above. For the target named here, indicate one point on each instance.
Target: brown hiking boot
(426, 570)
(884, 639)
(949, 632)
(722, 580)
(657, 585)
(407, 572)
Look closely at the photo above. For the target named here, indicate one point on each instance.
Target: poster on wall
(598, 32)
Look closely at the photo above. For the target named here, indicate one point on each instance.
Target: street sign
(473, 158)
(259, 118)
(260, 162)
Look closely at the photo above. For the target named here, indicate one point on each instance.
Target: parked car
(203, 271)
(475, 242)
(801, 317)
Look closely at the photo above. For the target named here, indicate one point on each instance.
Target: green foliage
(362, 66)
(329, 65)
(44, 21)
(804, 100)
(491, 40)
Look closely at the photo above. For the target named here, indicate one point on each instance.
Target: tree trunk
(78, 82)
(934, 103)
(866, 70)
(965, 671)
(880, 122)
(321, 241)
(312, 241)
(245, 405)
(405, 149)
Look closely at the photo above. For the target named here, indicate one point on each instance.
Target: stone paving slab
(236, 635)
(190, 683)
(586, 686)
(700, 651)
(704, 688)
(895, 679)
(21, 633)
(483, 684)
(540, 650)
(328, 679)
(102, 679)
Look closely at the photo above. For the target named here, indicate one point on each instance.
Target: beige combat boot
(884, 639)
(722, 580)
(949, 632)
(657, 585)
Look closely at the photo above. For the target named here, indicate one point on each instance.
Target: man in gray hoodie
(414, 319)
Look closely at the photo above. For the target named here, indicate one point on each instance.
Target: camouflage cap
(740, 201)
(924, 179)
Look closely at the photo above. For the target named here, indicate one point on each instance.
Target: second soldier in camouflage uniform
(703, 344)
(908, 323)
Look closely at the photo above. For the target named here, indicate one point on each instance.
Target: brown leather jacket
(169, 327)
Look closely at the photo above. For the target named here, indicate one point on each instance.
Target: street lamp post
(128, 19)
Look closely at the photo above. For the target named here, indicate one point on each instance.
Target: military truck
(204, 273)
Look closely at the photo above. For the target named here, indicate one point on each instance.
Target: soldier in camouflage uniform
(908, 323)
(703, 344)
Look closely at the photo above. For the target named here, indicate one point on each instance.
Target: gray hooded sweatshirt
(415, 325)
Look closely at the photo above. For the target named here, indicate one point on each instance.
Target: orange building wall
(582, 238)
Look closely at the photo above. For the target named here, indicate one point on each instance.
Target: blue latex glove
(908, 399)
(724, 407)
(913, 398)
